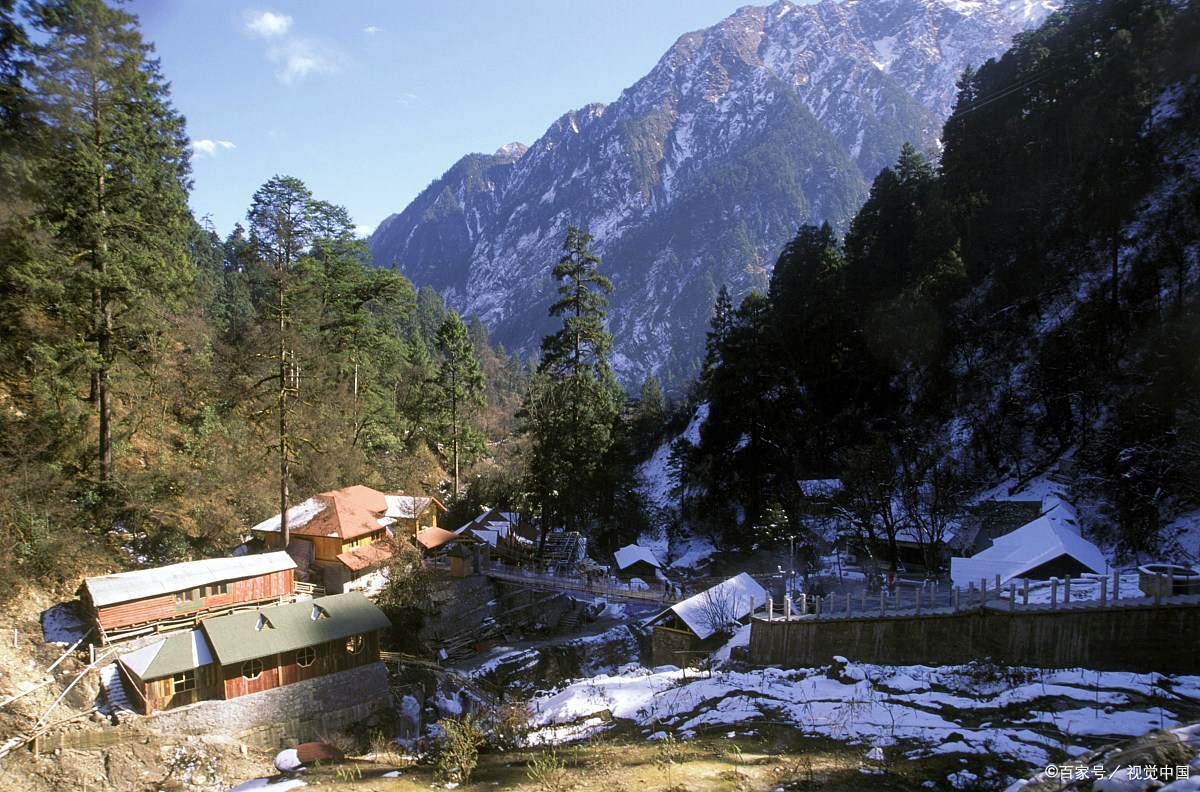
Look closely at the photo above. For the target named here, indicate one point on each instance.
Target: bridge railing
(598, 587)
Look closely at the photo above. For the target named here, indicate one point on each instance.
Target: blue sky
(369, 101)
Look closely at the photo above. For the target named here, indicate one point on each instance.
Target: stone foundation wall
(292, 714)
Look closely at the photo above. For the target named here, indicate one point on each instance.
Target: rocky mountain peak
(699, 172)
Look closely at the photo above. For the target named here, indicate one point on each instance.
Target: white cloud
(211, 147)
(363, 231)
(373, 29)
(299, 57)
(267, 24)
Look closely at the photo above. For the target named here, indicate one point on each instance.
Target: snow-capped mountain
(699, 172)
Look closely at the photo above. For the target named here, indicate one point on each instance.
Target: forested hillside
(156, 380)
(1028, 297)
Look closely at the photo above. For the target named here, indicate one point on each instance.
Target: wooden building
(145, 600)
(635, 561)
(341, 537)
(231, 656)
(690, 629)
(337, 537)
(414, 514)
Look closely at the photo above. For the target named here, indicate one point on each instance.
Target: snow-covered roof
(409, 507)
(172, 655)
(297, 516)
(1053, 534)
(490, 519)
(707, 612)
(143, 583)
(484, 535)
(629, 555)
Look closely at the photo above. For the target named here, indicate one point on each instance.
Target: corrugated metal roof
(283, 628)
(346, 518)
(143, 583)
(370, 499)
(172, 655)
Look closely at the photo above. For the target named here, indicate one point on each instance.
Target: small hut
(635, 561)
(698, 624)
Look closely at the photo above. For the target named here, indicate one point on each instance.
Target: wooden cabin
(131, 603)
(174, 672)
(231, 656)
(337, 537)
(414, 514)
(635, 561)
(688, 630)
(342, 536)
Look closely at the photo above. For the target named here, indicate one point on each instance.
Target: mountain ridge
(697, 173)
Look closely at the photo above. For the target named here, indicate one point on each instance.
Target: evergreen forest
(1025, 295)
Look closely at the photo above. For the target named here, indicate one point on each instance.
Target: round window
(252, 669)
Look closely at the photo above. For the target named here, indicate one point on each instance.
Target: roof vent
(319, 613)
(263, 624)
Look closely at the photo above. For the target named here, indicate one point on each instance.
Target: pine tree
(281, 230)
(117, 170)
(582, 345)
(719, 328)
(573, 402)
(461, 383)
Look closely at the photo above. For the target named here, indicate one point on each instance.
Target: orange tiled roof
(362, 557)
(345, 518)
(432, 538)
(370, 499)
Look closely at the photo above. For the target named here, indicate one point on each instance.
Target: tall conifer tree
(574, 401)
(117, 173)
(461, 383)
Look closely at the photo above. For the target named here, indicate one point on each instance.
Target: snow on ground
(694, 552)
(1083, 588)
(62, 625)
(1029, 715)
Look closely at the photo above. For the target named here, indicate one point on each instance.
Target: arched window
(252, 669)
(354, 644)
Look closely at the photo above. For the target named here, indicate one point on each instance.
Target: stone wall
(1141, 638)
(672, 647)
(291, 714)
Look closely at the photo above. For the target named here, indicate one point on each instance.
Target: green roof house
(248, 652)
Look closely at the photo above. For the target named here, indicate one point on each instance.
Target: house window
(306, 656)
(187, 596)
(354, 644)
(252, 669)
(181, 683)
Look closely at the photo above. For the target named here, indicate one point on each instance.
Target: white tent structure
(1048, 546)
